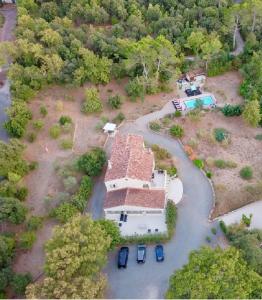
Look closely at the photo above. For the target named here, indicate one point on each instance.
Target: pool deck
(184, 99)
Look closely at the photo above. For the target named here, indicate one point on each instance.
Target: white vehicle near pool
(189, 103)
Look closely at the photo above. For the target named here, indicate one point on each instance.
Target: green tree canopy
(92, 162)
(215, 274)
(251, 113)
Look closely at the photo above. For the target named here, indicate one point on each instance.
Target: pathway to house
(150, 280)
(235, 216)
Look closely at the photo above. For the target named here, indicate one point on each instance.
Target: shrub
(13, 177)
(67, 128)
(83, 194)
(172, 171)
(38, 124)
(21, 193)
(6, 275)
(220, 163)
(27, 239)
(155, 126)
(33, 165)
(119, 118)
(193, 143)
(112, 230)
(59, 106)
(177, 114)
(246, 220)
(12, 210)
(223, 226)
(64, 212)
(31, 137)
(160, 153)
(246, 173)
(19, 283)
(194, 115)
(171, 215)
(115, 102)
(208, 239)
(92, 103)
(55, 131)
(92, 162)
(43, 111)
(134, 89)
(70, 183)
(221, 134)
(258, 137)
(209, 174)
(176, 131)
(213, 230)
(232, 110)
(34, 223)
(65, 120)
(7, 248)
(198, 163)
(66, 144)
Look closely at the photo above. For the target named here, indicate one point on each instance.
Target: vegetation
(246, 173)
(20, 282)
(12, 210)
(111, 229)
(199, 163)
(155, 126)
(232, 110)
(251, 113)
(65, 120)
(26, 240)
(34, 223)
(92, 162)
(177, 131)
(206, 263)
(115, 102)
(64, 212)
(171, 216)
(92, 103)
(55, 131)
(221, 134)
(223, 164)
(85, 240)
(66, 144)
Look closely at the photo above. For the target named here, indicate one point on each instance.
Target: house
(136, 192)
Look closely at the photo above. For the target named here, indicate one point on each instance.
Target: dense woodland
(74, 42)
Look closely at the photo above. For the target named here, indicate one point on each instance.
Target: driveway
(6, 33)
(150, 280)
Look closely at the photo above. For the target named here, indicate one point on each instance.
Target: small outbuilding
(110, 129)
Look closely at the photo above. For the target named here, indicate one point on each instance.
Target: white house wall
(133, 209)
(126, 183)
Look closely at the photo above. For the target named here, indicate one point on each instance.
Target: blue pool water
(206, 100)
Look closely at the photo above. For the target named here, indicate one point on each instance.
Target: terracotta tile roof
(136, 197)
(129, 158)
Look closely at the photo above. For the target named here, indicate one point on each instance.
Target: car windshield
(140, 252)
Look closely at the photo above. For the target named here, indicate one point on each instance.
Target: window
(150, 212)
(145, 186)
(113, 186)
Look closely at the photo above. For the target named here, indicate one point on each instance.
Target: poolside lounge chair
(177, 105)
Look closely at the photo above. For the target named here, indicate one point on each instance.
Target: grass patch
(55, 131)
(160, 153)
(66, 144)
(224, 164)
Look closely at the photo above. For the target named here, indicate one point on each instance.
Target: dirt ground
(46, 151)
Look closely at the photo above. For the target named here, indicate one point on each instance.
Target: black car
(141, 254)
(122, 257)
(159, 250)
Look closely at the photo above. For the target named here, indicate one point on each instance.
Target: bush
(172, 171)
(7, 248)
(64, 212)
(222, 164)
(27, 239)
(119, 118)
(209, 174)
(81, 198)
(246, 220)
(92, 103)
(20, 282)
(258, 137)
(12, 210)
(67, 128)
(223, 226)
(232, 110)
(208, 239)
(155, 126)
(65, 120)
(33, 165)
(66, 144)
(31, 137)
(160, 153)
(6, 275)
(214, 231)
(171, 215)
(115, 102)
(38, 124)
(135, 89)
(111, 229)
(194, 115)
(92, 162)
(199, 163)
(176, 131)
(59, 106)
(21, 193)
(70, 183)
(246, 173)
(34, 223)
(43, 111)
(221, 134)
(177, 114)
(55, 131)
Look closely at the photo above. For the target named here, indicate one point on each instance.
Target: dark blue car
(159, 250)
(122, 257)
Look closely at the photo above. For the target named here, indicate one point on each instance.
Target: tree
(75, 256)
(12, 210)
(251, 113)
(112, 230)
(215, 274)
(115, 102)
(64, 212)
(92, 162)
(11, 158)
(19, 283)
(92, 102)
(210, 48)
(7, 247)
(195, 41)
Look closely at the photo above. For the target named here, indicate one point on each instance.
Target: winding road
(150, 280)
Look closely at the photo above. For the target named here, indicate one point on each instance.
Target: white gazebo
(110, 129)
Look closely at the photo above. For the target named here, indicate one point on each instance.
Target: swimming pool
(206, 100)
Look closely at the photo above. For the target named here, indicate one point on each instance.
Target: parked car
(141, 254)
(122, 257)
(159, 250)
